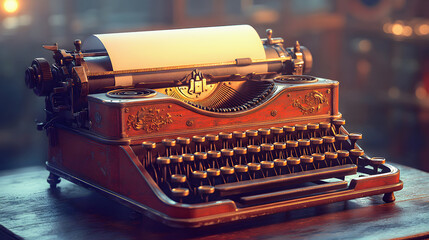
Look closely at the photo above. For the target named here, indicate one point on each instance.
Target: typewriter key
(241, 170)
(178, 179)
(226, 173)
(375, 162)
(254, 168)
(340, 139)
(355, 154)
(227, 156)
(354, 137)
(251, 134)
(342, 156)
(198, 140)
(280, 164)
(316, 144)
(328, 143)
(184, 144)
(304, 145)
(214, 156)
(280, 147)
(338, 123)
(225, 138)
(180, 193)
(264, 132)
(291, 146)
(307, 160)
(239, 136)
(267, 166)
(319, 158)
(324, 127)
(294, 162)
(289, 131)
(176, 160)
(277, 132)
(200, 157)
(163, 162)
(212, 138)
(213, 173)
(205, 191)
(313, 127)
(300, 129)
(189, 162)
(149, 146)
(168, 144)
(330, 157)
(240, 153)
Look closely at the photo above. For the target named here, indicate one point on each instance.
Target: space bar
(235, 188)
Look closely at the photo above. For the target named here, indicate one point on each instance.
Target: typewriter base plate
(239, 214)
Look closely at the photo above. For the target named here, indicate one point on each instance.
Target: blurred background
(377, 49)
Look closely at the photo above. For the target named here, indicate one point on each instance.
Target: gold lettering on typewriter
(312, 102)
(149, 119)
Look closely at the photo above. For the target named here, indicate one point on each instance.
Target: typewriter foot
(53, 180)
(389, 197)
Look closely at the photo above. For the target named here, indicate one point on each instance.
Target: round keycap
(239, 134)
(163, 160)
(325, 125)
(254, 148)
(180, 192)
(176, 158)
(339, 122)
(240, 150)
(264, 131)
(225, 136)
(300, 127)
(316, 141)
(313, 126)
(303, 142)
(306, 159)
(214, 154)
(267, 164)
(251, 133)
(267, 147)
(343, 153)
(356, 152)
(212, 137)
(291, 144)
(188, 157)
(331, 155)
(279, 145)
(227, 170)
(198, 139)
(213, 172)
(318, 156)
(280, 162)
(169, 142)
(227, 152)
(254, 166)
(328, 139)
(241, 168)
(355, 136)
(200, 155)
(276, 130)
(183, 140)
(341, 137)
(375, 161)
(178, 178)
(206, 189)
(199, 174)
(293, 161)
(149, 145)
(289, 129)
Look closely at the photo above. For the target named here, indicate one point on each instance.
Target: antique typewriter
(201, 126)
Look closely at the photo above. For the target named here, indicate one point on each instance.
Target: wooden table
(30, 209)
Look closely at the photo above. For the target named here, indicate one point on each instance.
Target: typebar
(235, 188)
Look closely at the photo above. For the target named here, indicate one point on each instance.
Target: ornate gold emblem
(312, 102)
(148, 119)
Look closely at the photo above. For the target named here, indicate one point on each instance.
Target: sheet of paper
(164, 48)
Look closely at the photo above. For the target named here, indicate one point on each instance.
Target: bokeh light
(10, 6)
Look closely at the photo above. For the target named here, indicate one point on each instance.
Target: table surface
(30, 209)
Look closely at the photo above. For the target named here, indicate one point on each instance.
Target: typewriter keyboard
(248, 165)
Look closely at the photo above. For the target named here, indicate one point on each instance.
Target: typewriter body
(218, 125)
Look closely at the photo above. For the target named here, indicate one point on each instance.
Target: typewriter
(201, 126)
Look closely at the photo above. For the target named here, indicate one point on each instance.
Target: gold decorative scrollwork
(148, 119)
(312, 102)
